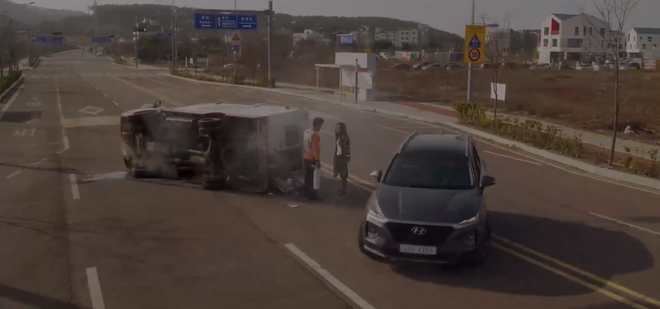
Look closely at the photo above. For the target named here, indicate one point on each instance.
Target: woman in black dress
(342, 155)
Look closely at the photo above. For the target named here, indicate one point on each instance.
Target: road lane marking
(32, 133)
(160, 96)
(164, 83)
(13, 174)
(329, 277)
(577, 270)
(39, 162)
(115, 103)
(391, 129)
(570, 277)
(366, 185)
(626, 224)
(512, 158)
(95, 288)
(74, 186)
(65, 139)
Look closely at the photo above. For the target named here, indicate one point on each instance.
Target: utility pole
(135, 40)
(270, 38)
(172, 38)
(469, 83)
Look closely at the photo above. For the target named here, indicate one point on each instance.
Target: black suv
(429, 205)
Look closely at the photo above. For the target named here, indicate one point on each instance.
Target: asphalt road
(77, 234)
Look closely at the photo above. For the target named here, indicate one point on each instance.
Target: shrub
(33, 62)
(9, 80)
(121, 61)
(548, 137)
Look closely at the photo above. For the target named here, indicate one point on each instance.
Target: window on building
(602, 32)
(655, 45)
(628, 37)
(591, 32)
(545, 42)
(650, 39)
(584, 30)
(554, 42)
(546, 31)
(577, 30)
(574, 43)
(643, 46)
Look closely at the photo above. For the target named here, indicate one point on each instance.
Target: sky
(448, 15)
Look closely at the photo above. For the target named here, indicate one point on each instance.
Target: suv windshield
(429, 170)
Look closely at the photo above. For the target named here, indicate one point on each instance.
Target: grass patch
(121, 61)
(549, 137)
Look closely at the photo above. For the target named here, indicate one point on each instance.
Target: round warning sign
(474, 54)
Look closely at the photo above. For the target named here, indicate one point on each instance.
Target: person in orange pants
(312, 156)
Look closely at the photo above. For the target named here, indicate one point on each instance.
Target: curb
(134, 68)
(12, 87)
(35, 64)
(592, 169)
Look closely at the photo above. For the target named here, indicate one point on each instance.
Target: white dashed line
(624, 223)
(13, 174)
(512, 158)
(39, 162)
(115, 103)
(95, 288)
(329, 277)
(74, 187)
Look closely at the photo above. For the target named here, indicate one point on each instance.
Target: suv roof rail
(408, 139)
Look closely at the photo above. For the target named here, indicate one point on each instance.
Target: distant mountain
(120, 19)
(24, 14)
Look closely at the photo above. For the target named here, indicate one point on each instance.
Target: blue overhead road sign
(346, 39)
(101, 40)
(163, 35)
(225, 21)
(49, 40)
(474, 42)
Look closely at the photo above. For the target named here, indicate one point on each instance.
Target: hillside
(120, 19)
(23, 14)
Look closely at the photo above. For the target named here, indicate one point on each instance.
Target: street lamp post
(469, 83)
(29, 42)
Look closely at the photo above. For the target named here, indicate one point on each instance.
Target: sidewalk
(435, 113)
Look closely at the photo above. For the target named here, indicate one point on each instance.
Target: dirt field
(580, 99)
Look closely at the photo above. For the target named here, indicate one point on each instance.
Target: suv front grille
(435, 235)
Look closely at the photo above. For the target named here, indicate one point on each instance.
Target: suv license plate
(426, 250)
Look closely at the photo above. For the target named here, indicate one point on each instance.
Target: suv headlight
(374, 214)
(467, 222)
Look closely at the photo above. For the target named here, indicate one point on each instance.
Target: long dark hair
(340, 131)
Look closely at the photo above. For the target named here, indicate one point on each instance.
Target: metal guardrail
(12, 87)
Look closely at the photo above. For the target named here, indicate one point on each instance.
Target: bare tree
(498, 43)
(615, 13)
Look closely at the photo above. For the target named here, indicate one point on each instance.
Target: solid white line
(32, 133)
(393, 129)
(65, 139)
(624, 223)
(14, 174)
(74, 187)
(513, 158)
(115, 103)
(95, 288)
(329, 277)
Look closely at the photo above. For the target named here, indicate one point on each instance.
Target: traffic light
(113, 36)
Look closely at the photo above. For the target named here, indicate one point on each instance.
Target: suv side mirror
(157, 104)
(377, 174)
(487, 181)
